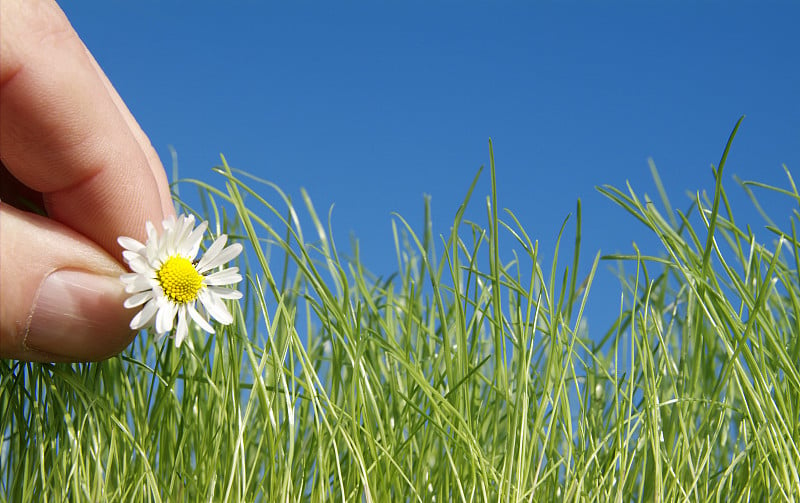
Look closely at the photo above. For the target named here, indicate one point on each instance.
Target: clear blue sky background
(370, 105)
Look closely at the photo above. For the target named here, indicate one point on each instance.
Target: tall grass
(463, 376)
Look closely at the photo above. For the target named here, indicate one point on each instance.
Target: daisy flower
(168, 282)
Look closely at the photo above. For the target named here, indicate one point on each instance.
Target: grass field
(463, 376)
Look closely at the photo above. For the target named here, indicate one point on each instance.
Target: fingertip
(62, 299)
(79, 315)
(153, 161)
(59, 109)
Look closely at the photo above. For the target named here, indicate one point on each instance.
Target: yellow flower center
(179, 279)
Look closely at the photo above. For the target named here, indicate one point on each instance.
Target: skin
(69, 147)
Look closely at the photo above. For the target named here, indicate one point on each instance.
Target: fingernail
(76, 313)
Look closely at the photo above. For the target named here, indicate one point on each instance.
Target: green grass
(467, 375)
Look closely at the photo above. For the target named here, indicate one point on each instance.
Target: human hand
(69, 144)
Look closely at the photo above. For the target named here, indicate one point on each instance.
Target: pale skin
(70, 147)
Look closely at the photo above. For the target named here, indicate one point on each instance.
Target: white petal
(182, 330)
(152, 246)
(215, 307)
(145, 316)
(168, 236)
(129, 277)
(168, 224)
(139, 264)
(139, 284)
(130, 244)
(165, 316)
(224, 277)
(152, 255)
(182, 230)
(152, 233)
(192, 243)
(186, 224)
(138, 299)
(223, 257)
(131, 255)
(198, 318)
(225, 293)
(212, 252)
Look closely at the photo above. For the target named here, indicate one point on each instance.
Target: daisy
(168, 281)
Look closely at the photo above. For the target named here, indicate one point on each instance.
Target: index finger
(64, 132)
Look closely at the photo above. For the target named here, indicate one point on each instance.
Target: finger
(62, 297)
(63, 134)
(153, 161)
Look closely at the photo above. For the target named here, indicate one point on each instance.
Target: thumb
(61, 293)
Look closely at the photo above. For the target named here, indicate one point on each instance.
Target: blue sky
(370, 105)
